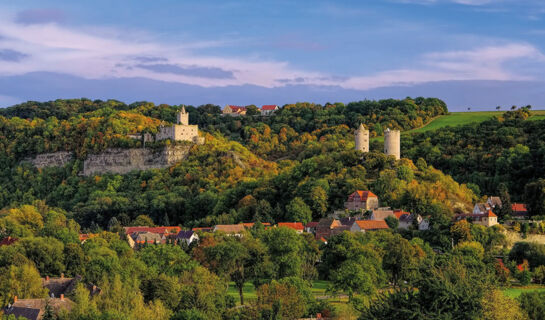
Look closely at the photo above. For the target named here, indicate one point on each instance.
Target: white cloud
(95, 53)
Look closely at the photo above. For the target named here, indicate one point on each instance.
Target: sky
(474, 54)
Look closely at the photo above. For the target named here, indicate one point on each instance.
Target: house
(348, 221)
(311, 227)
(268, 109)
(519, 210)
(297, 226)
(340, 229)
(481, 208)
(361, 201)
(494, 202)
(33, 309)
(187, 236)
(234, 111)
(488, 219)
(237, 229)
(382, 213)
(369, 225)
(407, 220)
(159, 230)
(203, 229)
(324, 227)
(145, 237)
(8, 241)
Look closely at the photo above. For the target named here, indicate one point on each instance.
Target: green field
(516, 291)
(462, 118)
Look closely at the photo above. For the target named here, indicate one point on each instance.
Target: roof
(519, 207)
(494, 201)
(7, 241)
(298, 226)
(490, 214)
(347, 221)
(204, 229)
(269, 107)
(311, 224)
(148, 237)
(483, 207)
(372, 224)
(58, 286)
(398, 213)
(362, 194)
(185, 234)
(161, 230)
(382, 214)
(251, 224)
(237, 108)
(230, 228)
(32, 309)
(85, 236)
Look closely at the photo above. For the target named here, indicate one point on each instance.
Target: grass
(318, 290)
(516, 291)
(463, 118)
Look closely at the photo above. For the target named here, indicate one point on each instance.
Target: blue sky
(471, 53)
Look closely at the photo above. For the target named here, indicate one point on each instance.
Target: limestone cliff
(117, 160)
(122, 161)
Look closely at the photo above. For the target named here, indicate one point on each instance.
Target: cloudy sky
(471, 53)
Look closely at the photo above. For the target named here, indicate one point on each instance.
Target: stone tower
(182, 117)
(392, 143)
(362, 139)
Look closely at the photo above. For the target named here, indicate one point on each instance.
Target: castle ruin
(392, 144)
(181, 130)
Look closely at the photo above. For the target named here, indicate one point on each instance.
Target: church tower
(392, 143)
(362, 139)
(182, 117)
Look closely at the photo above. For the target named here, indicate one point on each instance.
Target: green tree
(280, 301)
(297, 210)
(401, 260)
(534, 195)
(392, 222)
(533, 303)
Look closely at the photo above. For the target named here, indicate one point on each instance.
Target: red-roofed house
(519, 210)
(369, 225)
(234, 111)
(268, 109)
(488, 219)
(361, 201)
(311, 227)
(297, 226)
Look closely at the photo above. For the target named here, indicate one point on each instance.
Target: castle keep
(181, 131)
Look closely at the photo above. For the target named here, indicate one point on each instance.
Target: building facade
(361, 201)
(181, 131)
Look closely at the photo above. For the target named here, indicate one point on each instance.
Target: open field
(463, 118)
(516, 291)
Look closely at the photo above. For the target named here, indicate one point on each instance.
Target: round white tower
(182, 117)
(392, 145)
(362, 139)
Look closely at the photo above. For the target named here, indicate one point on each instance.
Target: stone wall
(123, 161)
(55, 159)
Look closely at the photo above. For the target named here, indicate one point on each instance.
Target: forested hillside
(222, 180)
(504, 152)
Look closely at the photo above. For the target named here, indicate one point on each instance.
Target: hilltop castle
(392, 145)
(180, 131)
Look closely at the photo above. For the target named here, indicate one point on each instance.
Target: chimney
(62, 297)
(14, 299)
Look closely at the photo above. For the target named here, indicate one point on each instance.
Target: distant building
(149, 235)
(488, 219)
(269, 109)
(181, 131)
(33, 309)
(519, 210)
(311, 227)
(361, 200)
(237, 229)
(494, 202)
(187, 236)
(234, 111)
(8, 241)
(382, 213)
(297, 226)
(325, 227)
(369, 225)
(481, 208)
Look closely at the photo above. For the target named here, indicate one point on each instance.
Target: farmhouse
(268, 109)
(361, 201)
(234, 111)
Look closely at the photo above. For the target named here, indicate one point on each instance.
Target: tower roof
(361, 127)
(183, 109)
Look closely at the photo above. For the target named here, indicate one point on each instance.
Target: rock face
(55, 159)
(123, 161)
